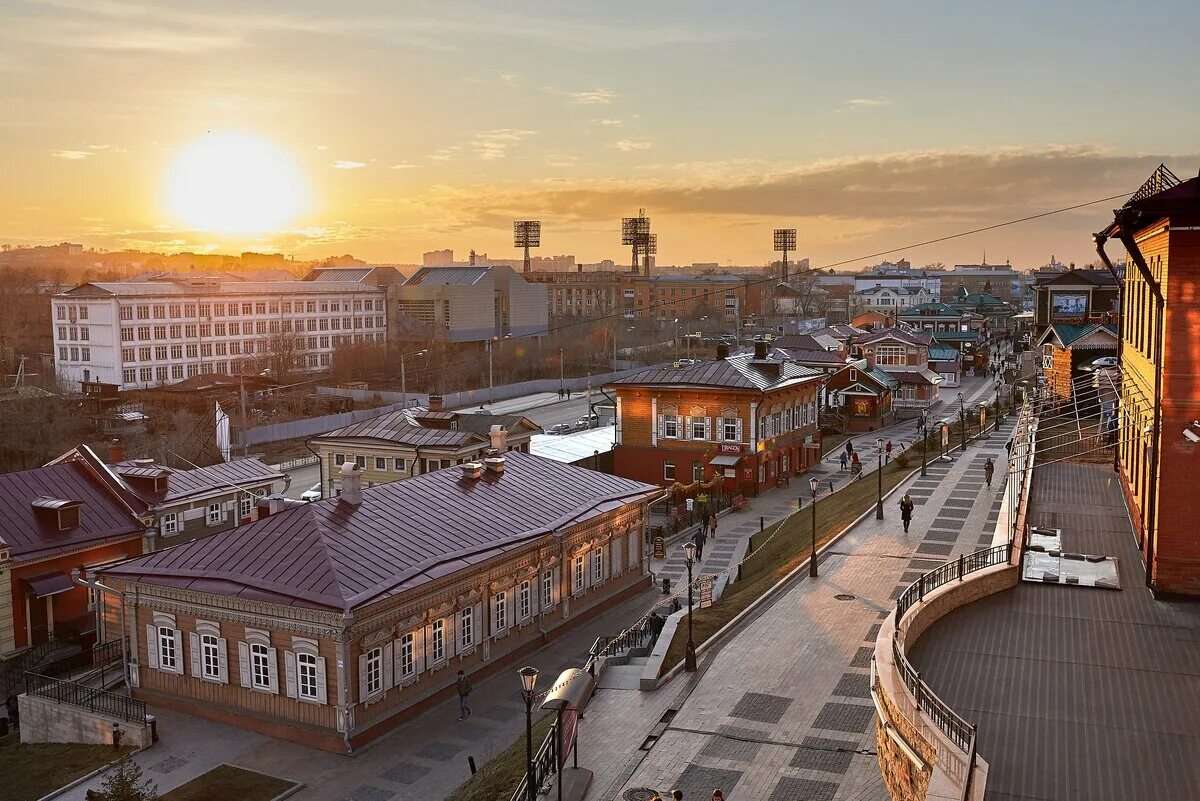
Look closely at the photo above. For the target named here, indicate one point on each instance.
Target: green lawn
(498, 778)
(31, 770)
(781, 553)
(227, 782)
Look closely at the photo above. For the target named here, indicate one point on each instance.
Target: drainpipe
(320, 470)
(98, 587)
(1125, 219)
(344, 702)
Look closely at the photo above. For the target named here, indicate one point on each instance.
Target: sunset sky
(408, 126)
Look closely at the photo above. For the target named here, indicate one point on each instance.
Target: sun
(234, 183)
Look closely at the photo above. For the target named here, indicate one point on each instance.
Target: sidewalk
(781, 709)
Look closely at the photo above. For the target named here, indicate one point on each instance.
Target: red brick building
(751, 418)
(863, 394)
(55, 519)
(1159, 455)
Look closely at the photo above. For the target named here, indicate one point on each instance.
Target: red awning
(50, 584)
(725, 460)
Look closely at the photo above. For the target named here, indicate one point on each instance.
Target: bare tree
(283, 353)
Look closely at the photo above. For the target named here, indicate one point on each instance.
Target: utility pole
(489, 344)
(562, 380)
(242, 398)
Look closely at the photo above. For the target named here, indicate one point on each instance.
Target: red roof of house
(334, 555)
(32, 535)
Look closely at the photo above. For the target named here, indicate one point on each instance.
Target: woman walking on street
(906, 510)
(843, 459)
(712, 525)
(988, 469)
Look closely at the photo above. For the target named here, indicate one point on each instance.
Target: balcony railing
(81, 695)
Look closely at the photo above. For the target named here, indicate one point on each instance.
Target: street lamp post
(999, 384)
(689, 656)
(924, 440)
(813, 483)
(879, 473)
(529, 677)
(403, 387)
(962, 419)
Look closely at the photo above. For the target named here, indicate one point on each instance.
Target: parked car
(561, 428)
(1104, 361)
(588, 421)
(311, 494)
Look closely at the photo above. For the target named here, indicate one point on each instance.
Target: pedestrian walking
(906, 510)
(677, 795)
(988, 469)
(855, 465)
(463, 685)
(849, 447)
(700, 539)
(704, 524)
(712, 525)
(843, 458)
(718, 795)
(887, 450)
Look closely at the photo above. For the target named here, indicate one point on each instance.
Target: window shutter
(708, 428)
(322, 697)
(272, 671)
(223, 660)
(388, 669)
(556, 592)
(739, 430)
(419, 650)
(362, 678)
(289, 672)
(661, 427)
(194, 642)
(244, 663)
(605, 564)
(152, 646)
(178, 651)
(617, 564)
(687, 427)
(633, 555)
(477, 624)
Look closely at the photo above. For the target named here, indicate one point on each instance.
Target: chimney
(760, 349)
(471, 470)
(841, 353)
(499, 438)
(351, 483)
(435, 403)
(494, 465)
(723, 350)
(869, 354)
(116, 451)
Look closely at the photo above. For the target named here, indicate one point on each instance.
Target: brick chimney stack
(869, 354)
(435, 403)
(351, 483)
(116, 451)
(723, 350)
(760, 349)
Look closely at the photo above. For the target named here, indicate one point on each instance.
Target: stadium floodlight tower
(527, 234)
(635, 232)
(785, 241)
(651, 249)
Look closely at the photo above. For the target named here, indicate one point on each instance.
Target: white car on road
(311, 494)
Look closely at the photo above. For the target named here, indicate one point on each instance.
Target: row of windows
(210, 330)
(175, 311)
(172, 522)
(160, 353)
(729, 429)
(174, 372)
(74, 354)
(72, 312)
(68, 333)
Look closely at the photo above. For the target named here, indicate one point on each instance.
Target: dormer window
(61, 513)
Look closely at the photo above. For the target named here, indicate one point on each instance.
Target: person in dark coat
(849, 447)
(906, 510)
(463, 685)
(988, 469)
(700, 538)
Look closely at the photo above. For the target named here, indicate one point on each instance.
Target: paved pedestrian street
(781, 710)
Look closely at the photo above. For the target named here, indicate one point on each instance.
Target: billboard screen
(1068, 304)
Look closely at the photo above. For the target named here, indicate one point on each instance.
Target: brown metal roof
(335, 555)
(103, 516)
(421, 428)
(184, 483)
(735, 372)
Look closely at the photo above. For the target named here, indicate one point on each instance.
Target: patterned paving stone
(404, 773)
(921, 491)
(862, 658)
(963, 503)
(735, 750)
(792, 788)
(500, 712)
(472, 732)
(953, 523)
(910, 576)
(438, 750)
(935, 548)
(761, 707)
(897, 591)
(971, 485)
(949, 511)
(828, 756)
(170, 764)
(844, 717)
(941, 536)
(368, 793)
(872, 632)
(924, 564)
(698, 781)
(853, 685)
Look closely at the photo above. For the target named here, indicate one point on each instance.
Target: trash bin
(666, 586)
(153, 724)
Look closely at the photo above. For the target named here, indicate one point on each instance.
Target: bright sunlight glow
(233, 183)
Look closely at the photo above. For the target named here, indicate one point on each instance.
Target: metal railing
(545, 763)
(80, 695)
(100, 657)
(950, 571)
(640, 634)
(13, 675)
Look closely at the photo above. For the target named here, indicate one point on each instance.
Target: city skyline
(394, 133)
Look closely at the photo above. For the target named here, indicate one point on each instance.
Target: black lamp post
(689, 656)
(879, 473)
(813, 483)
(924, 440)
(962, 417)
(999, 384)
(528, 682)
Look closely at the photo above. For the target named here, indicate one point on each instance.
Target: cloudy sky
(415, 125)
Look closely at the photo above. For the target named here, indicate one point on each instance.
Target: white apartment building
(140, 334)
